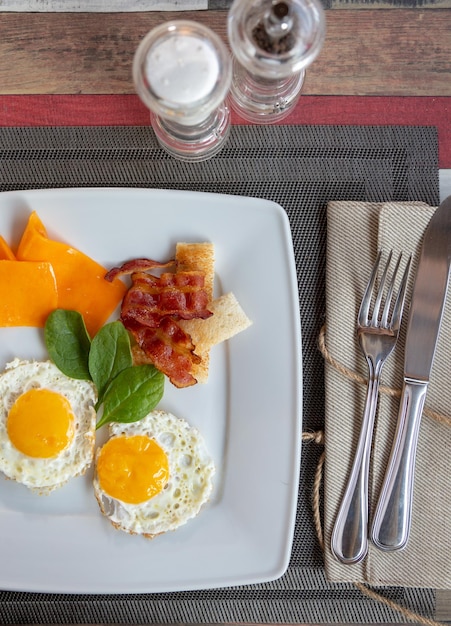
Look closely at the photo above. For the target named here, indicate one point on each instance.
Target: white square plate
(249, 411)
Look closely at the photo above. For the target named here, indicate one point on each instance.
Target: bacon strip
(150, 299)
(170, 349)
(151, 308)
(136, 265)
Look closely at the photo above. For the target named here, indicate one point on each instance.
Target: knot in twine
(317, 437)
(383, 389)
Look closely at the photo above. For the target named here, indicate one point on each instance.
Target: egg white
(190, 483)
(43, 475)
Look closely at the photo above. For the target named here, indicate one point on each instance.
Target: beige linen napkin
(356, 230)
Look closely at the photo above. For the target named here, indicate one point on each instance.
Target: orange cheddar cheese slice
(5, 250)
(80, 280)
(28, 292)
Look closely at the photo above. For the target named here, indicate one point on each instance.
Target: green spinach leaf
(68, 343)
(132, 394)
(110, 354)
(128, 392)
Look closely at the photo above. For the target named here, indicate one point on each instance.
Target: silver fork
(377, 337)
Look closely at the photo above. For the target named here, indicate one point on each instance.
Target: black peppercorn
(269, 41)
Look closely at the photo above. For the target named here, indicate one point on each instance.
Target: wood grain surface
(392, 52)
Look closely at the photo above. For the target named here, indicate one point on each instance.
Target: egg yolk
(40, 423)
(132, 469)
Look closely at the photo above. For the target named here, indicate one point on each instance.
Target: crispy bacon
(136, 265)
(150, 299)
(151, 308)
(170, 349)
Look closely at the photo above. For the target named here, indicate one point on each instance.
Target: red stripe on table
(127, 110)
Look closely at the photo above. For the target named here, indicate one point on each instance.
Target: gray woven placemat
(301, 168)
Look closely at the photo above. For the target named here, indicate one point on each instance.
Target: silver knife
(391, 524)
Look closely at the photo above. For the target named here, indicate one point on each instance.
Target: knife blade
(392, 519)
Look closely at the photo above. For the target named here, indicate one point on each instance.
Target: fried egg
(47, 425)
(154, 475)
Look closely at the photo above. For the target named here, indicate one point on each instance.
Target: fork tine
(388, 299)
(377, 304)
(399, 304)
(366, 300)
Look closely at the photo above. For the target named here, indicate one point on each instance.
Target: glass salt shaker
(182, 72)
(272, 41)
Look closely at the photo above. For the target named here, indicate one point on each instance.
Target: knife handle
(391, 524)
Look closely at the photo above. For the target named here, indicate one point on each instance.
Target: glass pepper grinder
(272, 41)
(182, 72)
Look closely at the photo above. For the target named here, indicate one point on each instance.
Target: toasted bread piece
(228, 317)
(227, 320)
(199, 257)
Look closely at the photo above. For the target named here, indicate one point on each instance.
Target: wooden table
(368, 52)
(378, 65)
